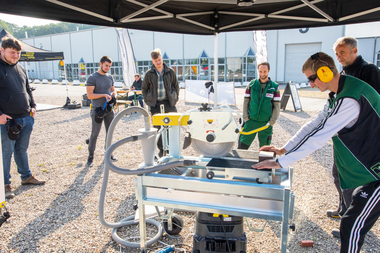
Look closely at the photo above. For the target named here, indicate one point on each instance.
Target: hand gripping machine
(219, 181)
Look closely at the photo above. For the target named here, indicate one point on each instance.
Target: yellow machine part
(254, 131)
(217, 215)
(169, 119)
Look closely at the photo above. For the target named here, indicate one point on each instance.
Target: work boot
(32, 180)
(90, 159)
(336, 232)
(333, 214)
(8, 192)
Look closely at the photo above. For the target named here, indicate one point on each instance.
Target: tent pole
(216, 69)
(64, 70)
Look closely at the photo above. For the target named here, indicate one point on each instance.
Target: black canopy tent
(202, 17)
(30, 53)
(199, 16)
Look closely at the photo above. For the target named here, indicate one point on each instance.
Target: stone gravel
(62, 216)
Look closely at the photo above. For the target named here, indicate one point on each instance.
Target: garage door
(295, 57)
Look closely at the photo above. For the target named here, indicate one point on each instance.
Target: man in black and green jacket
(261, 105)
(351, 118)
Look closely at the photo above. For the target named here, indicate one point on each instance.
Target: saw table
(225, 185)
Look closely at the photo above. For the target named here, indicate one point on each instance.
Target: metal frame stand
(231, 197)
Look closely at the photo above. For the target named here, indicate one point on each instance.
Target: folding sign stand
(291, 91)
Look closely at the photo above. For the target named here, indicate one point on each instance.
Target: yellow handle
(255, 130)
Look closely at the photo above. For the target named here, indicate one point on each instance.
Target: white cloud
(21, 20)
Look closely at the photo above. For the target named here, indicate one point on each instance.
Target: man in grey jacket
(160, 87)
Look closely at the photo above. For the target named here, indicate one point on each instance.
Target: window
(251, 69)
(378, 59)
(204, 69)
(176, 65)
(234, 69)
(143, 67)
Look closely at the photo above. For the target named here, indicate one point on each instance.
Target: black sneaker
(113, 159)
(336, 232)
(90, 159)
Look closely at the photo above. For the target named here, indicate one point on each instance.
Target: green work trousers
(265, 136)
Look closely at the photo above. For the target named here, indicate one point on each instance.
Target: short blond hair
(155, 53)
(322, 60)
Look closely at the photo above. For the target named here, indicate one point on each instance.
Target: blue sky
(21, 21)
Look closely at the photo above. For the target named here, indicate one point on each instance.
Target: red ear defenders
(324, 73)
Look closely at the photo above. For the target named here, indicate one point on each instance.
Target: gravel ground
(62, 216)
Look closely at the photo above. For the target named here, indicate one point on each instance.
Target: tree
(19, 32)
(3, 25)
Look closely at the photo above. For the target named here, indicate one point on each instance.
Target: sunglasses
(312, 78)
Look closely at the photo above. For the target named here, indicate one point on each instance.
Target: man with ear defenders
(346, 52)
(351, 119)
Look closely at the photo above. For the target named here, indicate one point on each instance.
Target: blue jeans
(19, 148)
(138, 97)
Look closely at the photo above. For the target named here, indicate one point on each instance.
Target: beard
(103, 70)
(10, 61)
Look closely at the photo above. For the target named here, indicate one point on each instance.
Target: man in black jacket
(160, 87)
(136, 86)
(17, 107)
(346, 51)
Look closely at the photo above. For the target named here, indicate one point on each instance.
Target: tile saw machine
(219, 181)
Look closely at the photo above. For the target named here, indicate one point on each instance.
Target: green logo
(376, 169)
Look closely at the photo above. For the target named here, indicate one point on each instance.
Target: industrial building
(192, 56)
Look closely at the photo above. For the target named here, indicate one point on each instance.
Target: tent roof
(30, 53)
(199, 16)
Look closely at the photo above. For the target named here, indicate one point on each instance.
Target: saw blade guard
(213, 132)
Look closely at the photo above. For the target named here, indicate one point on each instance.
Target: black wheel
(258, 181)
(177, 224)
(210, 175)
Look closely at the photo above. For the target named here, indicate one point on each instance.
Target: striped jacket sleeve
(318, 131)
(276, 107)
(247, 99)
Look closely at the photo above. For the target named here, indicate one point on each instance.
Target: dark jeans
(19, 148)
(155, 110)
(138, 97)
(107, 119)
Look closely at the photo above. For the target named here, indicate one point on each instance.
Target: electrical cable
(225, 234)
